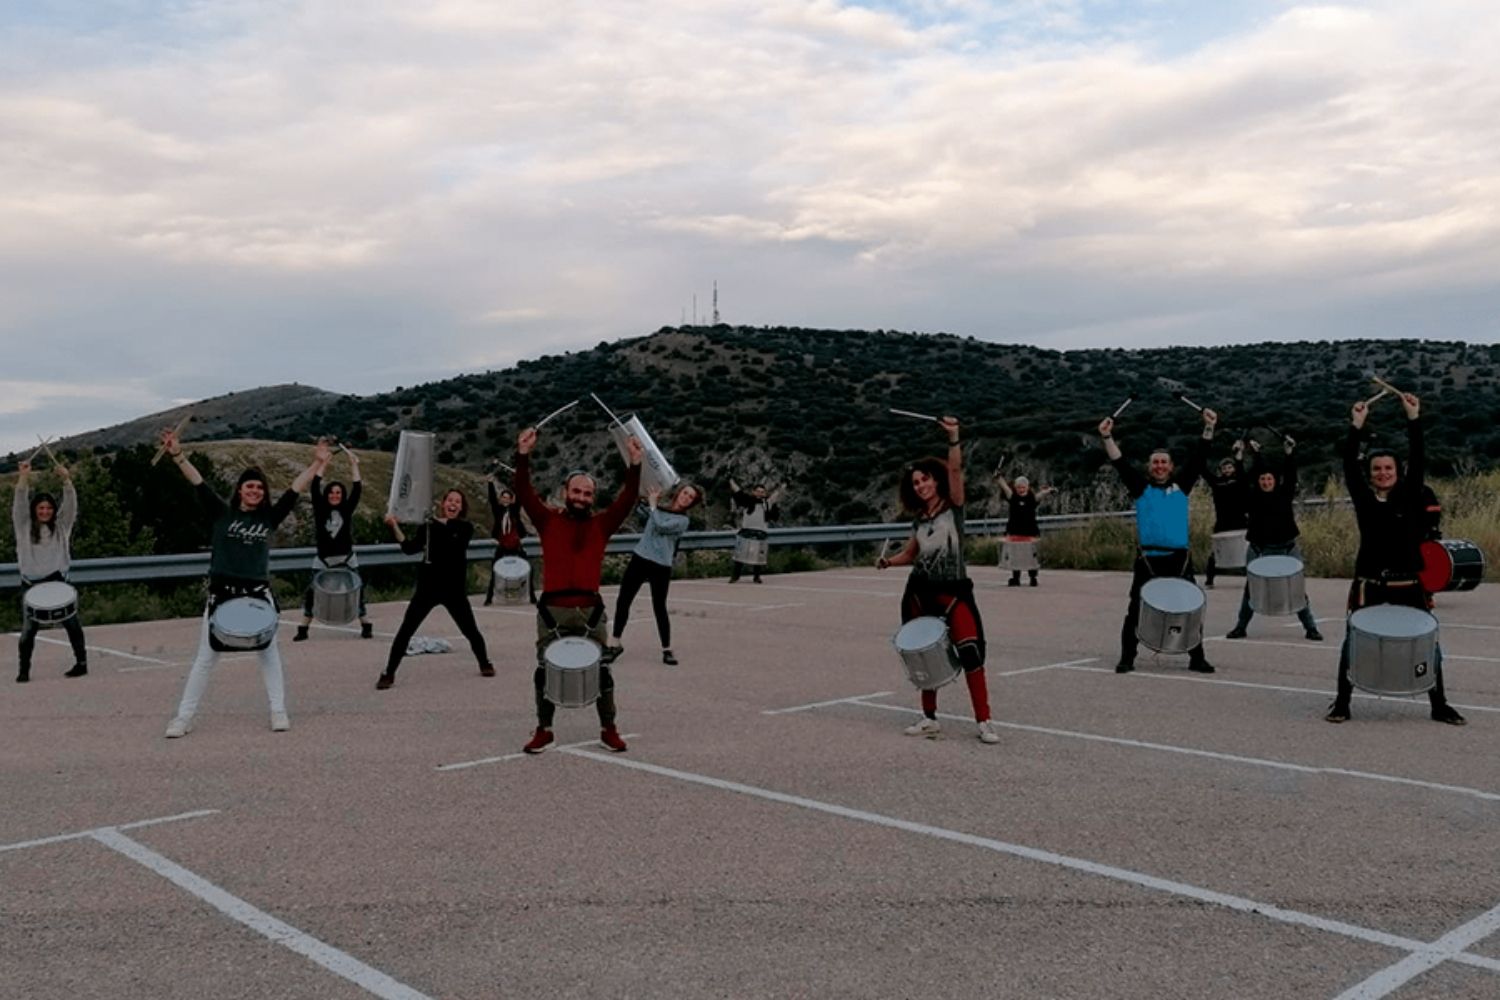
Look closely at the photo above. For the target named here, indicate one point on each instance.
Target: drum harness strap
(1146, 558)
(594, 601)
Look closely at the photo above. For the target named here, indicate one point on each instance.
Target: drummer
(333, 531)
(240, 566)
(1021, 522)
(505, 516)
(1228, 489)
(442, 579)
(1272, 530)
(1392, 515)
(756, 508)
(573, 540)
(44, 533)
(651, 562)
(1161, 524)
(932, 491)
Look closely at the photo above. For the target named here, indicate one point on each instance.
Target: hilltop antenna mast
(695, 308)
(716, 303)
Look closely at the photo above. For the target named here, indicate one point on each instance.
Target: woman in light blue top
(651, 562)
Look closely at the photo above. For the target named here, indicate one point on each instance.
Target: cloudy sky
(204, 195)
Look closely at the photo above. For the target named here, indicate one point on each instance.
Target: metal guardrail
(127, 569)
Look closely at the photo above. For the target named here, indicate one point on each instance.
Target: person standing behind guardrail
(44, 532)
(240, 566)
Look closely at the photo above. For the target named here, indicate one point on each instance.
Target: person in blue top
(1161, 524)
(651, 562)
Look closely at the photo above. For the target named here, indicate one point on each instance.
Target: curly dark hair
(934, 467)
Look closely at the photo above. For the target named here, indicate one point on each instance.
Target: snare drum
(572, 672)
(51, 603)
(751, 551)
(242, 623)
(336, 595)
(1276, 585)
(514, 576)
(1171, 619)
(1230, 549)
(928, 653)
(1451, 564)
(1393, 650)
(1018, 555)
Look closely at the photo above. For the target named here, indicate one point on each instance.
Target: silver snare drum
(243, 623)
(1276, 585)
(514, 576)
(1393, 649)
(572, 672)
(1230, 549)
(751, 551)
(928, 653)
(1018, 555)
(51, 603)
(336, 595)
(1171, 618)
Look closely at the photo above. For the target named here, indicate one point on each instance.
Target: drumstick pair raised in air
(44, 531)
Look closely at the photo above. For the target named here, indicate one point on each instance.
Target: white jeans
(208, 658)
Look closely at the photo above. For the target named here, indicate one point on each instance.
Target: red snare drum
(1451, 564)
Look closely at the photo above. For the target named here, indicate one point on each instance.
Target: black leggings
(660, 577)
(423, 600)
(28, 640)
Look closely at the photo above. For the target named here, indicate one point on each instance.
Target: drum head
(1392, 621)
(512, 567)
(336, 581)
(51, 595)
(1437, 566)
(244, 616)
(1273, 567)
(572, 653)
(920, 633)
(1173, 597)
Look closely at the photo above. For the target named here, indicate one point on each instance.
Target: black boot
(80, 669)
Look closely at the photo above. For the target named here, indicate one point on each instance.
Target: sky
(199, 196)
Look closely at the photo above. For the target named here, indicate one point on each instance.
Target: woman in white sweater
(44, 528)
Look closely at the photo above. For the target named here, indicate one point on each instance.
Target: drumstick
(48, 450)
(37, 450)
(1377, 397)
(1385, 385)
(555, 413)
(617, 420)
(908, 413)
(1121, 408)
(1178, 395)
(175, 431)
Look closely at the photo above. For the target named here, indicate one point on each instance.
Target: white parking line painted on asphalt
(1483, 628)
(338, 962)
(1199, 679)
(821, 704)
(106, 650)
(1280, 765)
(1444, 949)
(1237, 903)
(776, 607)
(82, 834)
(1307, 645)
(517, 756)
(333, 628)
(788, 586)
(1045, 666)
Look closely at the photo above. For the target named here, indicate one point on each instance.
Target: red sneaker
(540, 740)
(610, 737)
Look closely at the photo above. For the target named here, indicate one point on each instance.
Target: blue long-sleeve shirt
(659, 540)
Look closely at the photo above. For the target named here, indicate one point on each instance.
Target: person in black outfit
(333, 532)
(1272, 531)
(442, 578)
(505, 515)
(1392, 516)
(1021, 520)
(1229, 489)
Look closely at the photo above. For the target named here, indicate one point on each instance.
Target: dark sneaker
(1337, 712)
(1200, 666)
(610, 654)
(488, 601)
(1033, 581)
(1124, 666)
(1237, 632)
(367, 630)
(1313, 635)
(540, 740)
(79, 670)
(385, 681)
(1013, 582)
(301, 635)
(668, 658)
(24, 677)
(487, 670)
(1447, 713)
(610, 737)
(759, 580)
(1208, 584)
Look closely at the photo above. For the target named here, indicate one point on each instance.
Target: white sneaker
(923, 727)
(179, 727)
(279, 722)
(987, 732)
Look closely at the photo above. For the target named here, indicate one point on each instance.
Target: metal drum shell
(1019, 555)
(752, 551)
(1392, 650)
(514, 577)
(1230, 549)
(1467, 564)
(571, 674)
(411, 477)
(927, 653)
(336, 595)
(656, 471)
(1171, 616)
(51, 603)
(1277, 586)
(244, 624)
